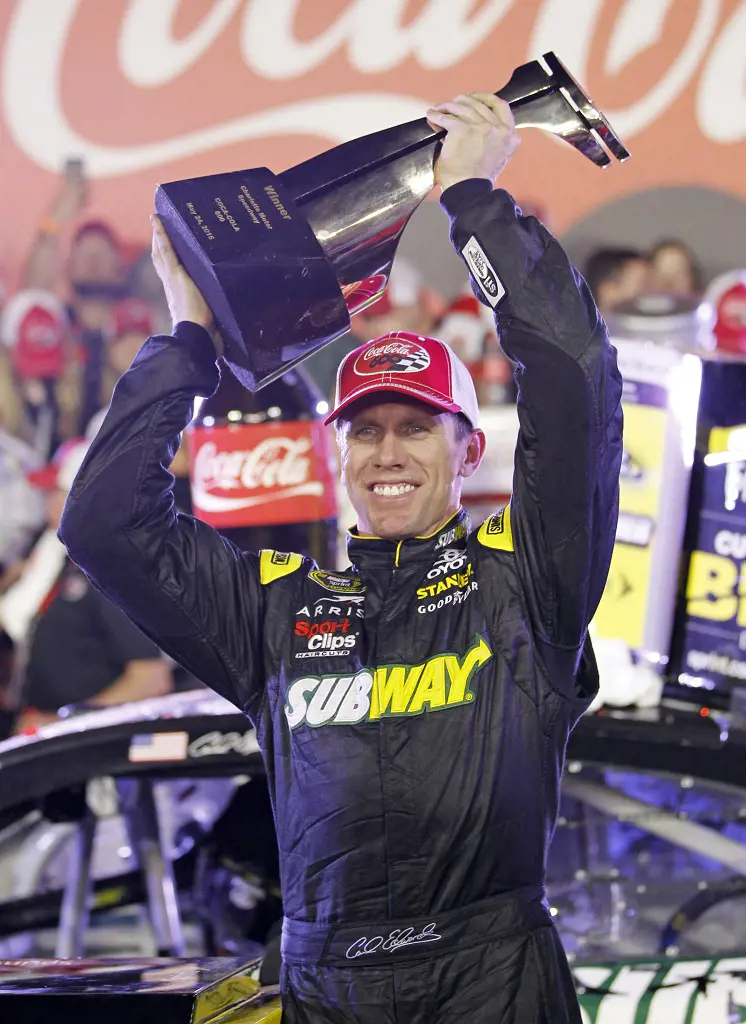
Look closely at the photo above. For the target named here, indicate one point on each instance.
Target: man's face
(122, 350)
(630, 281)
(402, 465)
(95, 257)
(673, 271)
(54, 503)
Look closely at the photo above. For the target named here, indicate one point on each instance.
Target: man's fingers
(495, 105)
(164, 243)
(439, 119)
(156, 254)
(464, 108)
(166, 253)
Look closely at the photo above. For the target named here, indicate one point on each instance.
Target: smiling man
(413, 709)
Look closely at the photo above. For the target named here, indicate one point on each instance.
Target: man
(413, 710)
(78, 647)
(617, 275)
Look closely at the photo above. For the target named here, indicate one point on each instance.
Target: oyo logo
(399, 356)
(434, 685)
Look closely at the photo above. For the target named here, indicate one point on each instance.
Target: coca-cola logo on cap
(399, 356)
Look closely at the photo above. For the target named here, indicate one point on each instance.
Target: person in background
(143, 283)
(77, 647)
(675, 268)
(22, 515)
(616, 275)
(91, 280)
(468, 327)
(408, 304)
(39, 370)
(131, 322)
(94, 273)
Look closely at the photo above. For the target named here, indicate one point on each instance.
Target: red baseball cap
(34, 327)
(411, 364)
(62, 470)
(727, 293)
(132, 315)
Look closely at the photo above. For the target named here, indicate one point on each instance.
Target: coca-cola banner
(261, 474)
(151, 90)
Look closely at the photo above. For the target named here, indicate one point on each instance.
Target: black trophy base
(260, 267)
(210, 990)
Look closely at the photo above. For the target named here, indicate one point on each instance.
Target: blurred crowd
(84, 304)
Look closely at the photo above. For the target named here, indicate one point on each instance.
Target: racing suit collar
(364, 548)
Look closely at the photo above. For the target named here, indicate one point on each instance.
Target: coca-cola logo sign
(248, 475)
(392, 357)
(281, 80)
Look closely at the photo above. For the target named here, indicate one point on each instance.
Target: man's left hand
(481, 137)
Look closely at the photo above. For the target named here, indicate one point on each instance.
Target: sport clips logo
(437, 684)
(325, 639)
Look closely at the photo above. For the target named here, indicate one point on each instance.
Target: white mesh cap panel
(463, 391)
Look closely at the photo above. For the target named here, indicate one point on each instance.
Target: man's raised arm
(566, 483)
(187, 587)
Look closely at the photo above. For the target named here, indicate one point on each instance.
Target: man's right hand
(185, 300)
(481, 137)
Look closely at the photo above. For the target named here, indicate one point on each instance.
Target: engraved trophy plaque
(284, 259)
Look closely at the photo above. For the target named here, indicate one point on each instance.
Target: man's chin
(396, 527)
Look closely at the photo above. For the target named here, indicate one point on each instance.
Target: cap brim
(422, 394)
(45, 478)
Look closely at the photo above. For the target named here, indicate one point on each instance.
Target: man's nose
(390, 453)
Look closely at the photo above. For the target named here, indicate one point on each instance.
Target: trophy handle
(554, 101)
(359, 196)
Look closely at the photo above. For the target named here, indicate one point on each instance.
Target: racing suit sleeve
(565, 498)
(187, 587)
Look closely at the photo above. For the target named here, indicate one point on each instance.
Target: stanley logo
(391, 690)
(456, 579)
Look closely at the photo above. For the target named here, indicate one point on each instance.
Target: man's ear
(473, 454)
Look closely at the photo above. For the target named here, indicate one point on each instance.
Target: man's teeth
(391, 490)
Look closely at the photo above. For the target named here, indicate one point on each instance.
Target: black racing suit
(414, 740)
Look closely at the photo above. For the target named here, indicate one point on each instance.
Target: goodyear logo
(389, 691)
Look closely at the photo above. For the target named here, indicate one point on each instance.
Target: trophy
(285, 259)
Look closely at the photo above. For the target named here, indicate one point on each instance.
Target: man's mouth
(392, 490)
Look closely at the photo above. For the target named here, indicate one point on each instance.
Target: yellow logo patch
(496, 532)
(273, 565)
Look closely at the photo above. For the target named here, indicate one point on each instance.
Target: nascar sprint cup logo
(398, 356)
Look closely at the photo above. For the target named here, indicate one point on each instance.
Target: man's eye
(364, 432)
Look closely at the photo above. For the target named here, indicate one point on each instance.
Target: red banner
(261, 474)
(151, 90)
